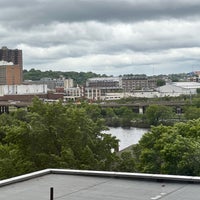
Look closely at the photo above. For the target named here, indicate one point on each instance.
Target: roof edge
(142, 176)
(113, 174)
(24, 177)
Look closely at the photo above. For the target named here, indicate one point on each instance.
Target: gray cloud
(31, 13)
(108, 36)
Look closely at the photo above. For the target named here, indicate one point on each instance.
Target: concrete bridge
(140, 107)
(7, 106)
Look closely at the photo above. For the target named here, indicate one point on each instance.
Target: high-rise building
(11, 66)
(11, 55)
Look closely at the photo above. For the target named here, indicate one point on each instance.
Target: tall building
(11, 66)
(11, 55)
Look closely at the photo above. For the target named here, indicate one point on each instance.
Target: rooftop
(189, 85)
(94, 185)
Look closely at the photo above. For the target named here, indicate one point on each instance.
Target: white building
(178, 88)
(73, 93)
(68, 83)
(22, 89)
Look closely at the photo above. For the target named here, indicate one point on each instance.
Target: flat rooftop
(92, 185)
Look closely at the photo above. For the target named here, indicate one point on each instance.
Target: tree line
(81, 77)
(78, 77)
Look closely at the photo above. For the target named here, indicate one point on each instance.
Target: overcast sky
(110, 37)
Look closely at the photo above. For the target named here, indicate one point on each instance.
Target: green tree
(192, 112)
(126, 115)
(170, 149)
(157, 114)
(54, 136)
(160, 82)
(126, 162)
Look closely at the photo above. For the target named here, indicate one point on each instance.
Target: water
(127, 137)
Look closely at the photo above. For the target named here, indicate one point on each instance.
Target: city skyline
(105, 37)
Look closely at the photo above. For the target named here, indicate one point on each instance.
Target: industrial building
(178, 88)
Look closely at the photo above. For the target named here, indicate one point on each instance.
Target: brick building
(11, 65)
(10, 74)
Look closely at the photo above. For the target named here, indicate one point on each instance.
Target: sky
(112, 37)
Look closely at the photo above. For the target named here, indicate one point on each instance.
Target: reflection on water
(127, 137)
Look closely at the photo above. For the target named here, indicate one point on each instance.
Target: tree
(126, 162)
(126, 115)
(157, 114)
(160, 82)
(170, 149)
(54, 136)
(198, 90)
(192, 112)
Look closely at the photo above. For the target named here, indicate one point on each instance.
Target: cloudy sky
(104, 36)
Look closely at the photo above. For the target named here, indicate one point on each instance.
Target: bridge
(7, 106)
(140, 107)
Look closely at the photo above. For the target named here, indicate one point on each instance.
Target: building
(104, 83)
(131, 83)
(73, 93)
(22, 89)
(62, 184)
(68, 83)
(11, 55)
(52, 84)
(178, 88)
(92, 93)
(10, 74)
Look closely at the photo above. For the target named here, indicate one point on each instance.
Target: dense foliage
(170, 149)
(53, 136)
(70, 136)
(159, 114)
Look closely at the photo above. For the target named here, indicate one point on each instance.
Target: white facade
(22, 89)
(93, 93)
(146, 94)
(73, 93)
(113, 96)
(68, 83)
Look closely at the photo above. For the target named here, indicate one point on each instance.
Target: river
(127, 137)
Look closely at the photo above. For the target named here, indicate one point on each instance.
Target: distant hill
(78, 77)
(81, 77)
